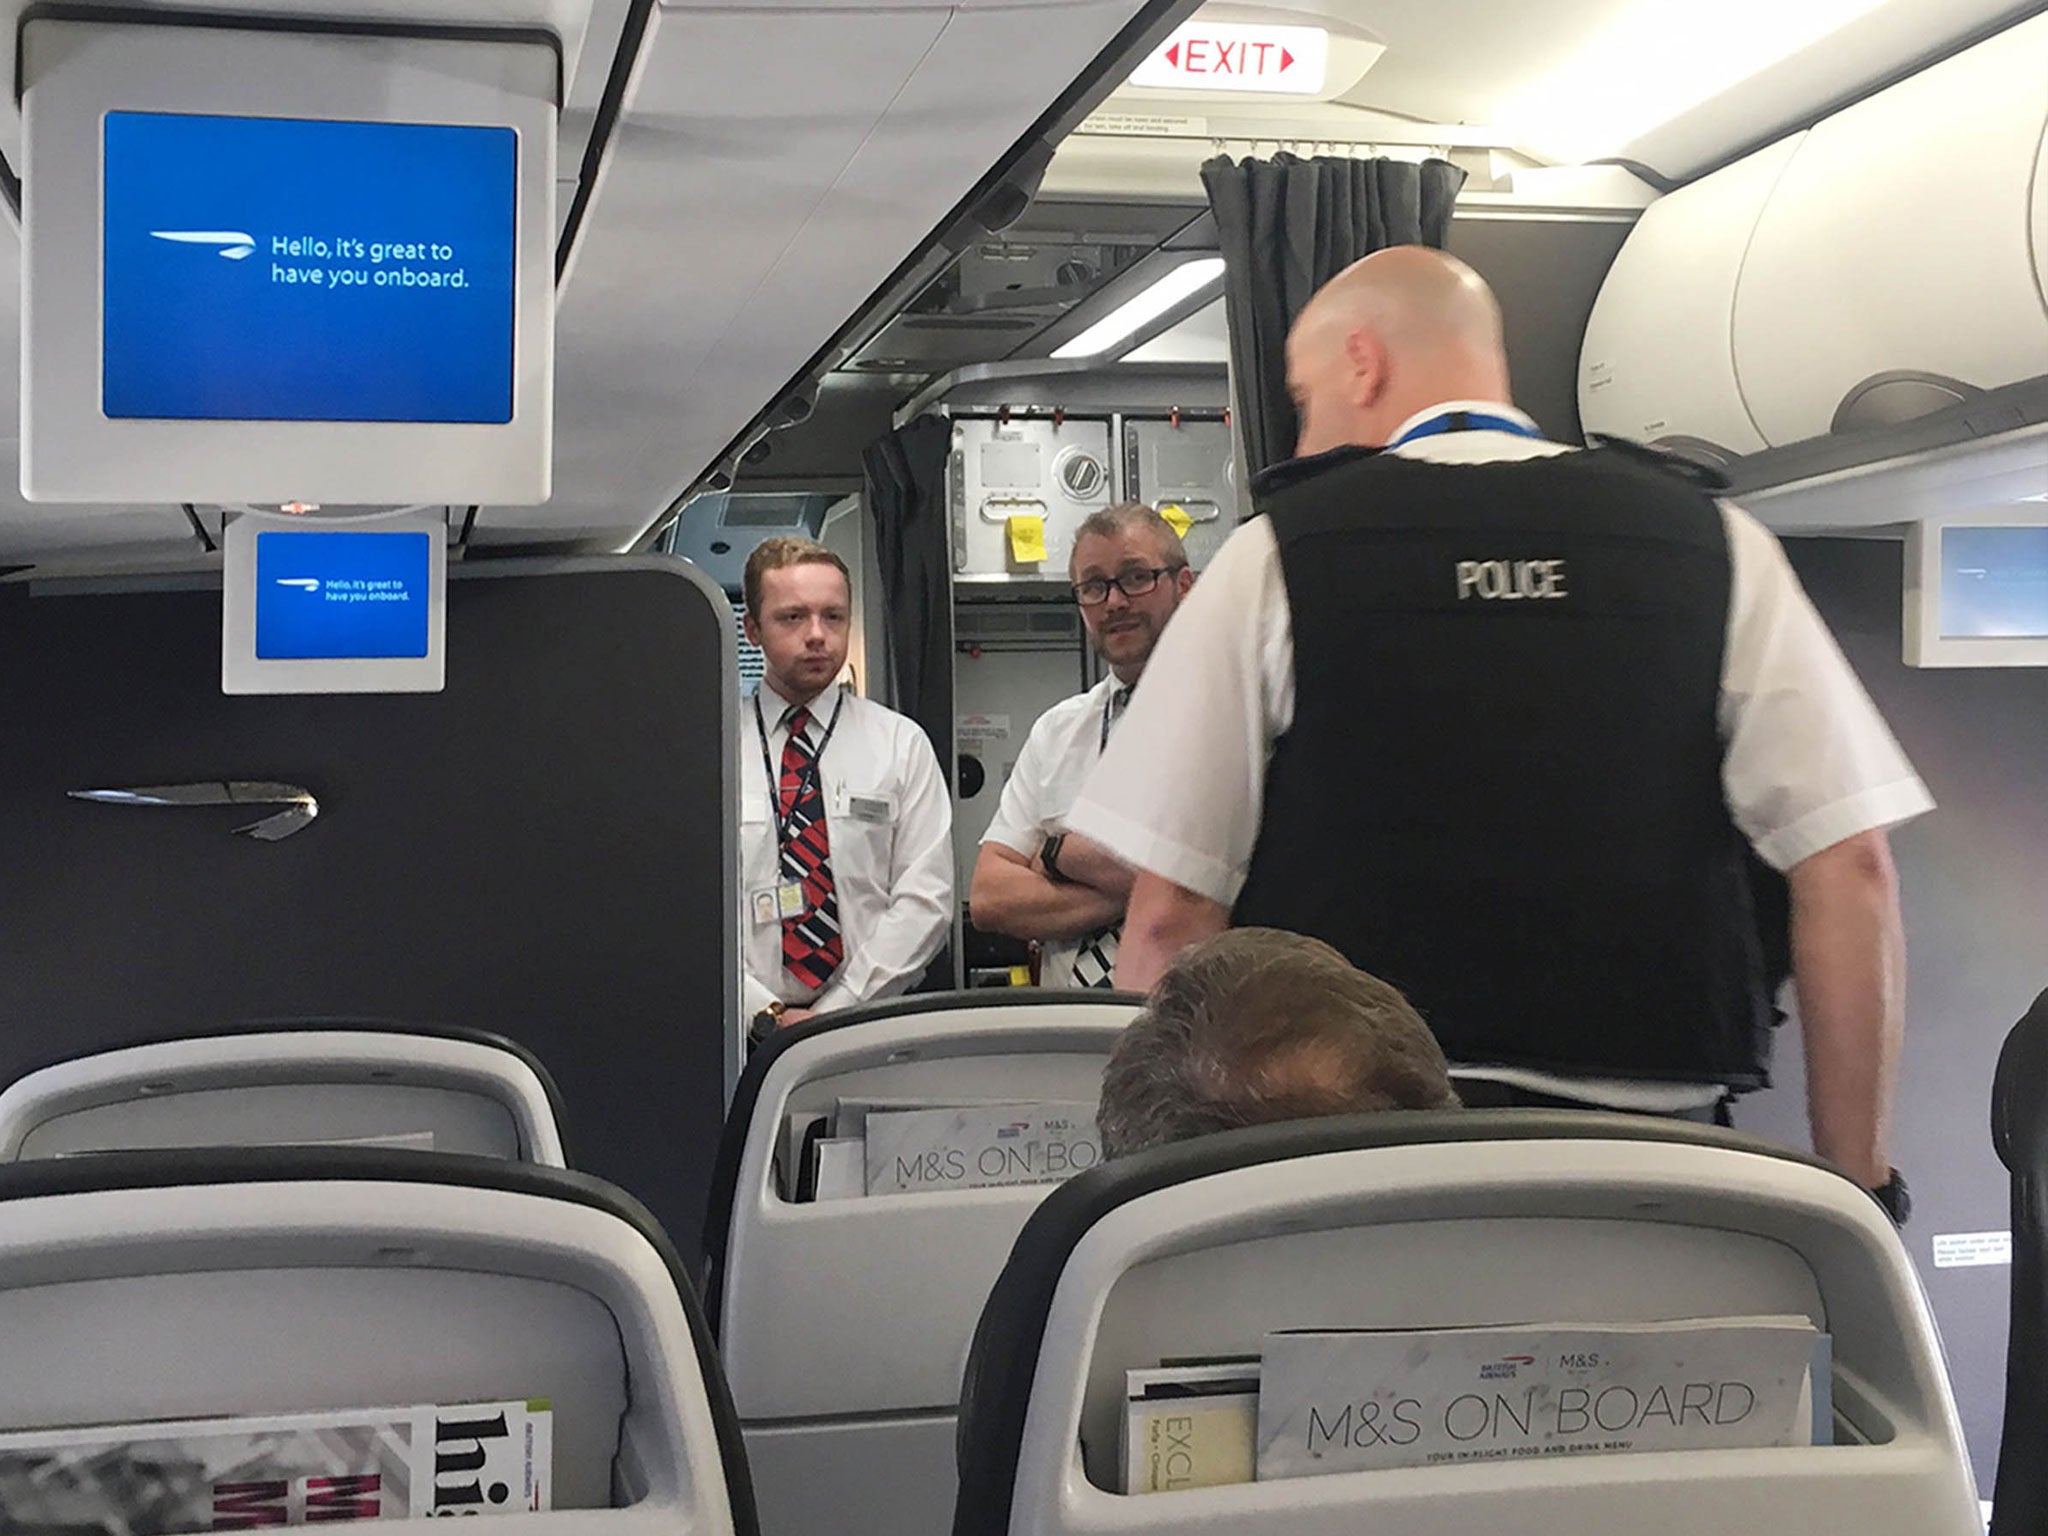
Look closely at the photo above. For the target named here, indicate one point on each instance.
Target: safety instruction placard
(1970, 1250)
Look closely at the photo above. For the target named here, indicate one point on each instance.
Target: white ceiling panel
(576, 22)
(773, 167)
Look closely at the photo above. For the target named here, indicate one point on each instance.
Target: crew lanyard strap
(1465, 421)
(783, 818)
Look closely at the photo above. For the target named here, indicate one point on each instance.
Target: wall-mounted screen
(277, 269)
(264, 267)
(1977, 591)
(1994, 583)
(342, 607)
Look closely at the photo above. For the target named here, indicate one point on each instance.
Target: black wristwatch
(1049, 857)
(1896, 1199)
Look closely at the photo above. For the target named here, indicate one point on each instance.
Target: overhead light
(1659, 59)
(1141, 309)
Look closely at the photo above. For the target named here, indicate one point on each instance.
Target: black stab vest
(1501, 790)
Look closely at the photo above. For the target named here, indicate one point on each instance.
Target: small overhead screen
(333, 606)
(1977, 592)
(268, 267)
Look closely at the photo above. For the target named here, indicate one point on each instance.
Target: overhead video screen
(279, 269)
(339, 596)
(1994, 582)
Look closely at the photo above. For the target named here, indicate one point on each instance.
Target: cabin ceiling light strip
(1658, 60)
(1141, 309)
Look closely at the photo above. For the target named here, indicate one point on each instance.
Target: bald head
(1403, 330)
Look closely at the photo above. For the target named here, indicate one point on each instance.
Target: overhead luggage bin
(1898, 268)
(844, 1323)
(302, 1084)
(201, 1284)
(1452, 1219)
(1658, 365)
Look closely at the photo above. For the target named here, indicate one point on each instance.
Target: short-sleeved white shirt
(892, 868)
(1808, 761)
(1058, 756)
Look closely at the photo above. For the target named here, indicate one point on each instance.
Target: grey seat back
(1444, 1220)
(844, 1324)
(309, 1281)
(448, 1091)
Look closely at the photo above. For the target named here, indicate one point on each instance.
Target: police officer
(1502, 721)
(1034, 879)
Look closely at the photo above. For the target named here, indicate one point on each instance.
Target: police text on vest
(1510, 581)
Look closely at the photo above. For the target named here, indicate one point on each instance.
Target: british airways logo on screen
(234, 245)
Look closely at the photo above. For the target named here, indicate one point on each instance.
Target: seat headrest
(338, 1024)
(2019, 1094)
(1003, 1360)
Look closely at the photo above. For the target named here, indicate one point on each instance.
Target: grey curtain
(905, 475)
(905, 483)
(1286, 226)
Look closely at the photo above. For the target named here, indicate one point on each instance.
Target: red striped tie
(812, 946)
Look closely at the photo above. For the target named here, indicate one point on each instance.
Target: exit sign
(1228, 56)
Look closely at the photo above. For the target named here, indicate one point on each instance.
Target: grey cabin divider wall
(1973, 875)
(543, 850)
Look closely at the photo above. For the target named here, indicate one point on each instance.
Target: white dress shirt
(892, 865)
(1058, 755)
(1808, 759)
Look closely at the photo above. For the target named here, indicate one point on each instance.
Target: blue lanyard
(1464, 421)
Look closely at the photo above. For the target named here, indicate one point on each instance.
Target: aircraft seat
(1451, 1219)
(844, 1324)
(2019, 1129)
(293, 1083)
(195, 1283)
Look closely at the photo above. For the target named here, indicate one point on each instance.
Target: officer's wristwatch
(1049, 858)
(1896, 1199)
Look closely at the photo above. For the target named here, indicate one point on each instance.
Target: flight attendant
(846, 824)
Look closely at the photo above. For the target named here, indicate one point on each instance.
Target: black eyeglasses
(1137, 583)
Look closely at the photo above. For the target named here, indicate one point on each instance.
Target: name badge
(779, 903)
(867, 808)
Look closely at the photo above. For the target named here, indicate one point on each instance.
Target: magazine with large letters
(163, 1478)
(1355, 1401)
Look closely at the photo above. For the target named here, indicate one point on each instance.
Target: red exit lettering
(1213, 56)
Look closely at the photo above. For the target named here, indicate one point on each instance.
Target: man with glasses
(1034, 879)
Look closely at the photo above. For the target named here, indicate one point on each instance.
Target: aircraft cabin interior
(390, 1122)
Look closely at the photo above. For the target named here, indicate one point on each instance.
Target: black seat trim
(1002, 1363)
(327, 1023)
(746, 1098)
(193, 1167)
(2019, 1130)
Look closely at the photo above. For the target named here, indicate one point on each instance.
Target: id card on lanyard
(785, 899)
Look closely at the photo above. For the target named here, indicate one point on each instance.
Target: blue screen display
(342, 596)
(274, 269)
(1994, 583)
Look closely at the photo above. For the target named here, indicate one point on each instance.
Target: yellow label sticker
(1020, 975)
(1177, 518)
(1027, 539)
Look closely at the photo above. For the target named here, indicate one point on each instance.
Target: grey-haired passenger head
(1254, 1026)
